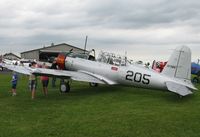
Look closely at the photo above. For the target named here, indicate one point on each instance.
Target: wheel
(195, 80)
(64, 87)
(93, 84)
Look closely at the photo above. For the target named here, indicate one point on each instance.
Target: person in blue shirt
(14, 83)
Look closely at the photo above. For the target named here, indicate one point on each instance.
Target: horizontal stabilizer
(178, 88)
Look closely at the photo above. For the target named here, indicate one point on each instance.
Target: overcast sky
(145, 29)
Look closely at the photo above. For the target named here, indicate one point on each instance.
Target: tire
(195, 80)
(64, 87)
(93, 84)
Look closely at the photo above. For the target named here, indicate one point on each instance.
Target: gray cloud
(134, 14)
(136, 26)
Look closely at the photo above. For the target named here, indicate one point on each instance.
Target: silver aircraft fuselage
(132, 75)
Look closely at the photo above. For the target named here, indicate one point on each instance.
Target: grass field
(97, 112)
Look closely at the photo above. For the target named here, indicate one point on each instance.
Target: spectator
(45, 82)
(54, 66)
(32, 82)
(147, 65)
(14, 83)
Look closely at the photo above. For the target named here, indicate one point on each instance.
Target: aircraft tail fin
(179, 64)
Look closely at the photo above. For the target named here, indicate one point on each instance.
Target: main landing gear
(93, 84)
(64, 86)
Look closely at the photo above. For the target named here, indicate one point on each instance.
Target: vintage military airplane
(113, 70)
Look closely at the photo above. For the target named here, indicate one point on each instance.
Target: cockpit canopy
(78, 55)
(90, 55)
(113, 59)
(104, 57)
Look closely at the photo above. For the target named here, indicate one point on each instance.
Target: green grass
(97, 112)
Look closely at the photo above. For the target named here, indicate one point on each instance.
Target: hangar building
(10, 56)
(45, 53)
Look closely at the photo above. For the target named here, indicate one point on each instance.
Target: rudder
(179, 64)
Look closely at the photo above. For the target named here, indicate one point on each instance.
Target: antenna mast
(85, 44)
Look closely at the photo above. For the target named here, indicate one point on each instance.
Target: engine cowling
(61, 61)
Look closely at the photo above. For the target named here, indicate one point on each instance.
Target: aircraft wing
(19, 69)
(74, 75)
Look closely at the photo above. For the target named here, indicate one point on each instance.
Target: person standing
(45, 82)
(54, 66)
(32, 82)
(14, 83)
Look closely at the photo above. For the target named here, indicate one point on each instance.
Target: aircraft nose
(60, 61)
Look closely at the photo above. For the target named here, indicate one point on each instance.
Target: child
(14, 83)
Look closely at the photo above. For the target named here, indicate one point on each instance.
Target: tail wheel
(64, 87)
(93, 84)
